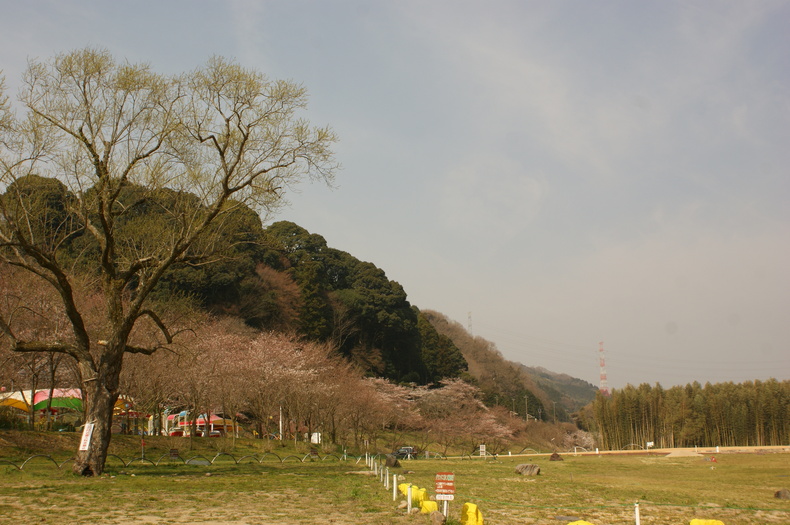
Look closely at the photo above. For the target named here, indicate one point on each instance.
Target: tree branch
(140, 350)
(155, 318)
(40, 346)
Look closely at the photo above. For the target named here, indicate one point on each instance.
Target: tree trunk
(100, 392)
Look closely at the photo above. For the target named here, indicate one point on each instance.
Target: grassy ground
(286, 494)
(737, 488)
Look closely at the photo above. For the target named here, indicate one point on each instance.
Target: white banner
(87, 432)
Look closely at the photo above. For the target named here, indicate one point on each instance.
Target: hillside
(574, 393)
(514, 385)
(279, 278)
(284, 278)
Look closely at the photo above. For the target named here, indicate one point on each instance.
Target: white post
(387, 478)
(445, 505)
(636, 513)
(394, 487)
(408, 500)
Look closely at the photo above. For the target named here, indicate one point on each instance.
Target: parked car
(404, 453)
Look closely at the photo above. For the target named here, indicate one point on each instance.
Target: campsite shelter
(61, 398)
(179, 424)
(69, 398)
(61, 406)
(27, 400)
(16, 400)
(61, 402)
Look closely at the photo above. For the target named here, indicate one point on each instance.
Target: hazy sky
(567, 171)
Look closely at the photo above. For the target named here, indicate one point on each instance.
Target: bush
(10, 420)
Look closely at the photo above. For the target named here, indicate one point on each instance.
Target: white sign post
(87, 432)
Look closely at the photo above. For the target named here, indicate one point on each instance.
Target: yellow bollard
(428, 506)
(418, 495)
(697, 521)
(470, 515)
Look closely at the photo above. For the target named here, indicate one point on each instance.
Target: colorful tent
(214, 421)
(18, 400)
(178, 423)
(70, 398)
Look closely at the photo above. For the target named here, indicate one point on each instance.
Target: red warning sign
(445, 486)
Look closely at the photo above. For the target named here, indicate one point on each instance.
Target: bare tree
(392, 409)
(456, 417)
(122, 139)
(151, 382)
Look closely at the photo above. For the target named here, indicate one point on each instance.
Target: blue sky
(568, 172)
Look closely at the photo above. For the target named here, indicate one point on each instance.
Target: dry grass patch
(737, 488)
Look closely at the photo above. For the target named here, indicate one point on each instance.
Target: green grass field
(736, 489)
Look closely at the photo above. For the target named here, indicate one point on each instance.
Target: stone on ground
(527, 469)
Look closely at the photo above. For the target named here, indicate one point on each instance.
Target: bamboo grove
(754, 413)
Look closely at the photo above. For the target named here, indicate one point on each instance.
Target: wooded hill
(287, 279)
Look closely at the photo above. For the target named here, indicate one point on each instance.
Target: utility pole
(526, 409)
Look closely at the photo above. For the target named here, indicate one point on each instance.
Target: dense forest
(755, 413)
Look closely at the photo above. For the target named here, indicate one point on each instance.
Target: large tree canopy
(174, 157)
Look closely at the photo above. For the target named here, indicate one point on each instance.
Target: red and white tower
(604, 388)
